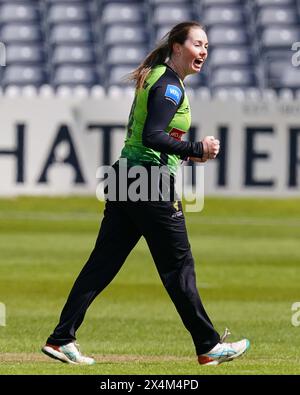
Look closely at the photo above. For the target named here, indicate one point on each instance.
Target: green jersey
(159, 118)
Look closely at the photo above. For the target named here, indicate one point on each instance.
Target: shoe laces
(225, 335)
(78, 347)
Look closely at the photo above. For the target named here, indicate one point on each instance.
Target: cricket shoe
(68, 353)
(224, 352)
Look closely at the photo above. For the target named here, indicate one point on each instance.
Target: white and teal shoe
(68, 353)
(224, 352)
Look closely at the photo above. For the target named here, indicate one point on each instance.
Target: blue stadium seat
(67, 13)
(24, 54)
(236, 56)
(21, 2)
(26, 2)
(113, 13)
(276, 16)
(221, 2)
(232, 77)
(74, 75)
(280, 74)
(23, 76)
(195, 80)
(291, 77)
(75, 54)
(223, 15)
(117, 75)
(49, 2)
(161, 31)
(128, 34)
(70, 34)
(170, 2)
(278, 37)
(223, 35)
(18, 13)
(171, 14)
(125, 55)
(104, 2)
(110, 37)
(266, 3)
(90, 5)
(20, 33)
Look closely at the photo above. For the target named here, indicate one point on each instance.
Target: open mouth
(198, 62)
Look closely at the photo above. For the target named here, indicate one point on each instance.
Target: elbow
(146, 140)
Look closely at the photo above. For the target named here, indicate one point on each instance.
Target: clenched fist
(211, 148)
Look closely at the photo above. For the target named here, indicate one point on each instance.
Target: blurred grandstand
(54, 44)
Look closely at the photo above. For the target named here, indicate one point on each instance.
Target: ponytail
(157, 56)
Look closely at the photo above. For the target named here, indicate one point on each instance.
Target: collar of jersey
(170, 68)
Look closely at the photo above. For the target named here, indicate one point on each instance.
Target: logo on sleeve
(173, 93)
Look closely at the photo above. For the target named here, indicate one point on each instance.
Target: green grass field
(247, 255)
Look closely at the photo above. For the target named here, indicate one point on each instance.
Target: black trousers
(163, 225)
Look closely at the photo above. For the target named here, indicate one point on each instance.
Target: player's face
(194, 51)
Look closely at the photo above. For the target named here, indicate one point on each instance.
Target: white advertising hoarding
(54, 146)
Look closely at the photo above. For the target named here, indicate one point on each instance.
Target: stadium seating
(67, 13)
(279, 37)
(126, 34)
(266, 3)
(195, 80)
(280, 73)
(235, 56)
(131, 55)
(171, 14)
(24, 54)
(216, 15)
(18, 13)
(117, 76)
(221, 2)
(114, 12)
(160, 32)
(229, 36)
(71, 75)
(65, 54)
(23, 75)
(20, 33)
(226, 77)
(70, 34)
(97, 42)
(268, 16)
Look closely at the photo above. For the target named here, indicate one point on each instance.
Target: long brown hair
(162, 51)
